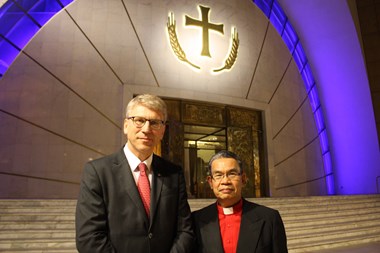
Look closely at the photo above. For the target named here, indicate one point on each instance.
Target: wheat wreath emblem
(181, 55)
(177, 49)
(230, 61)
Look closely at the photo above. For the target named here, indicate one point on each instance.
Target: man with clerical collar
(234, 224)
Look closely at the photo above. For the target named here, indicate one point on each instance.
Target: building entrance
(195, 131)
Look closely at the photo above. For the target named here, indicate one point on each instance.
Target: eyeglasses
(153, 123)
(231, 175)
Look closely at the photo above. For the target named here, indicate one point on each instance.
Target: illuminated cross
(205, 25)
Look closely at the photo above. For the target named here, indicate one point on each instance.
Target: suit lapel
(157, 181)
(250, 229)
(126, 182)
(212, 241)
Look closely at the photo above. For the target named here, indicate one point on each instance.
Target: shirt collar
(237, 208)
(134, 161)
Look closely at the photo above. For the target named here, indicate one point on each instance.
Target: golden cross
(205, 25)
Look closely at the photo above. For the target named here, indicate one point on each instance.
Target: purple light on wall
(314, 99)
(12, 53)
(22, 32)
(324, 145)
(43, 11)
(278, 19)
(290, 37)
(307, 77)
(19, 22)
(265, 6)
(318, 116)
(329, 35)
(299, 56)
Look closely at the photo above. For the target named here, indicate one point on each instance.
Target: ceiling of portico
(127, 42)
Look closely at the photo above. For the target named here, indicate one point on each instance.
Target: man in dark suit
(234, 224)
(135, 201)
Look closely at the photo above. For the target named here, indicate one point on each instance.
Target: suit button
(150, 235)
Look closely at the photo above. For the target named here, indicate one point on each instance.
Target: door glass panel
(200, 144)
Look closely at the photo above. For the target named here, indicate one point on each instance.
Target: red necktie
(144, 188)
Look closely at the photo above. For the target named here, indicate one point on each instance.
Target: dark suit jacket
(261, 230)
(110, 216)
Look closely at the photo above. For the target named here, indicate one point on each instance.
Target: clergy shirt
(133, 162)
(229, 223)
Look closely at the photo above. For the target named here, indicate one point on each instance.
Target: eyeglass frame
(155, 124)
(226, 175)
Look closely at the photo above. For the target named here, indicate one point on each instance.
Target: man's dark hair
(225, 154)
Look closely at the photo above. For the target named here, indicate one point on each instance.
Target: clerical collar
(230, 210)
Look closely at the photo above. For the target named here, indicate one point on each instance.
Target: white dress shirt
(133, 162)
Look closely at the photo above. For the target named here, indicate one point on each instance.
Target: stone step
(332, 227)
(71, 250)
(37, 234)
(330, 200)
(329, 214)
(46, 203)
(299, 224)
(37, 225)
(311, 238)
(331, 244)
(37, 244)
(36, 217)
(21, 210)
(315, 206)
(294, 204)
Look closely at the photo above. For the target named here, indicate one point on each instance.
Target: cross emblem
(206, 26)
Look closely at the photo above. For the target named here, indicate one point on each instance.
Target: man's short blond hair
(152, 102)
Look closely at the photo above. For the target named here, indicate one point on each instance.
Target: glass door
(196, 131)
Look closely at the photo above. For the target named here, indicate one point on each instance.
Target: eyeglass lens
(153, 123)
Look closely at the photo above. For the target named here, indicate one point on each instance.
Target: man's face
(227, 189)
(141, 141)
